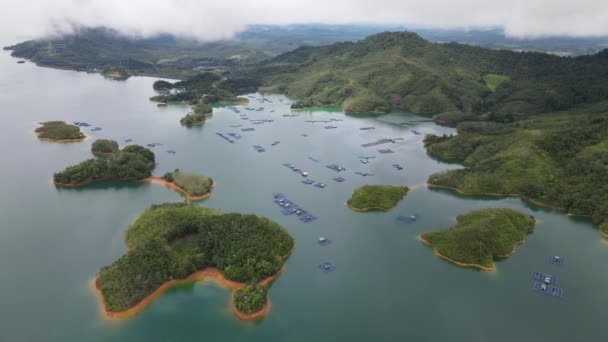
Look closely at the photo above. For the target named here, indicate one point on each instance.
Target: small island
(174, 243)
(376, 197)
(59, 131)
(117, 73)
(104, 147)
(132, 163)
(198, 116)
(193, 186)
(481, 236)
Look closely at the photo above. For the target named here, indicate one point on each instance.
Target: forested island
(481, 236)
(376, 197)
(59, 131)
(556, 159)
(104, 146)
(199, 115)
(132, 163)
(171, 243)
(193, 186)
(204, 88)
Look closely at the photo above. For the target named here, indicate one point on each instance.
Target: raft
(548, 290)
(327, 267)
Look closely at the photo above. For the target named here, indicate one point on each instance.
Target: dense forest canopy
(132, 163)
(104, 146)
(377, 196)
(482, 235)
(172, 241)
(559, 159)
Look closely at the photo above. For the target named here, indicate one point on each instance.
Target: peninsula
(176, 242)
(481, 236)
(193, 186)
(59, 131)
(376, 197)
(198, 116)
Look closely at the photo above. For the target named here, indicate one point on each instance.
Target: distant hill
(401, 69)
(95, 49)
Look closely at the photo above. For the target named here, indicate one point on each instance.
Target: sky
(208, 20)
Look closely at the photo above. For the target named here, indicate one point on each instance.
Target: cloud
(217, 19)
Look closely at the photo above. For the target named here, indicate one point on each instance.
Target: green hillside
(559, 159)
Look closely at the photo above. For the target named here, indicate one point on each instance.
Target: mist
(213, 20)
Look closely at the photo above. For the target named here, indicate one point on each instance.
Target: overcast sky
(214, 19)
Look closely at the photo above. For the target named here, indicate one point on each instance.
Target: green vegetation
(382, 197)
(482, 235)
(250, 299)
(493, 80)
(206, 88)
(558, 159)
(162, 85)
(116, 73)
(96, 49)
(199, 114)
(132, 163)
(192, 183)
(400, 69)
(172, 241)
(104, 146)
(59, 130)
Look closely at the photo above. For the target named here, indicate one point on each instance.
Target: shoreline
(171, 185)
(462, 264)
(499, 195)
(368, 208)
(195, 123)
(152, 179)
(211, 273)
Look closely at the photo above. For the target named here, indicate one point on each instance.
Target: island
(481, 236)
(198, 116)
(116, 73)
(193, 186)
(59, 131)
(174, 243)
(132, 163)
(376, 197)
(104, 147)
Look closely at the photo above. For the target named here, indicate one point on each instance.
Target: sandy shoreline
(211, 273)
(84, 136)
(463, 264)
(174, 186)
(152, 179)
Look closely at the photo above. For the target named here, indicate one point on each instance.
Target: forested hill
(402, 69)
(95, 49)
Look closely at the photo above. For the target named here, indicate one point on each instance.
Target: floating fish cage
(544, 278)
(549, 290)
(556, 260)
(250, 129)
(327, 267)
(386, 150)
(408, 218)
(364, 174)
(291, 208)
(339, 179)
(308, 181)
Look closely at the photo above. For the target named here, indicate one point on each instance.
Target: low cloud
(212, 20)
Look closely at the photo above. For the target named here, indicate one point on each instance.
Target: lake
(387, 285)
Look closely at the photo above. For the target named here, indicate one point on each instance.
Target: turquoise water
(387, 286)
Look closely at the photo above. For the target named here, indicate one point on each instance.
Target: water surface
(387, 286)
